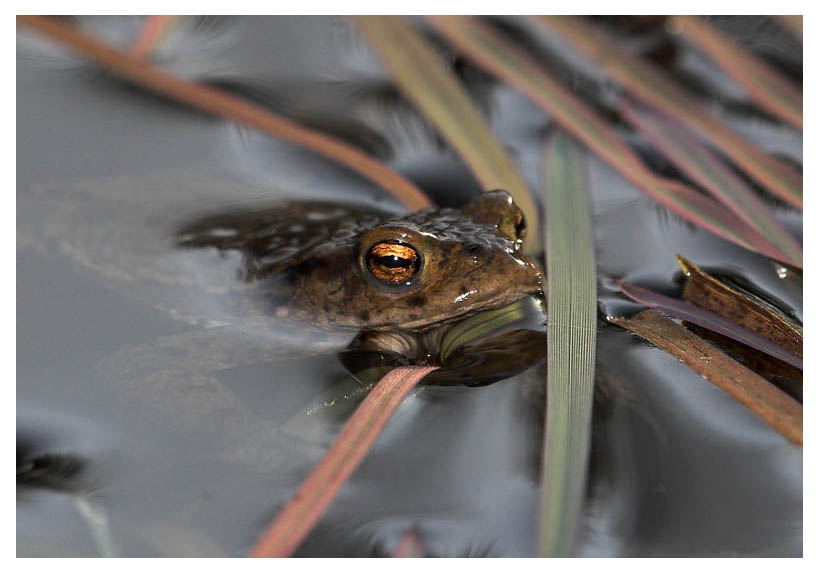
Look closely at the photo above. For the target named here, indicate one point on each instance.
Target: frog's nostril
(521, 226)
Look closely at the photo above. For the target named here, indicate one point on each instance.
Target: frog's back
(274, 238)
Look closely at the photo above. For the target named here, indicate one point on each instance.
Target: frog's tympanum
(343, 267)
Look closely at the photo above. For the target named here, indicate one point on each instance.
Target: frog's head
(411, 273)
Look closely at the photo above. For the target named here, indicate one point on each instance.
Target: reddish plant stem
(777, 409)
(220, 103)
(152, 31)
(769, 88)
(316, 493)
(410, 546)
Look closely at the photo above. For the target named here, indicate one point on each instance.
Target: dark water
(156, 419)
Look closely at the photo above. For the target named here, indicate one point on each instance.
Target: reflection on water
(155, 397)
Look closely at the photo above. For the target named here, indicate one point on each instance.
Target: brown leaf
(705, 291)
(769, 403)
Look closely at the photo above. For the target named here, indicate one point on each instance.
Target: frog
(239, 270)
(364, 269)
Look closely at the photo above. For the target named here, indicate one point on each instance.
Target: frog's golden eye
(392, 262)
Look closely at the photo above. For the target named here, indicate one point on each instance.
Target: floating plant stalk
(571, 333)
(427, 81)
(501, 57)
(709, 320)
(317, 492)
(780, 411)
(712, 294)
(652, 85)
(98, 525)
(220, 103)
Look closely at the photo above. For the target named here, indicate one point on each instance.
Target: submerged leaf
(418, 70)
(657, 88)
(768, 88)
(98, 525)
(772, 405)
(688, 312)
(222, 104)
(332, 407)
(502, 58)
(484, 324)
(572, 299)
(317, 492)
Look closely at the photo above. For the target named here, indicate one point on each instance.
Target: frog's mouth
(444, 338)
(423, 325)
(479, 348)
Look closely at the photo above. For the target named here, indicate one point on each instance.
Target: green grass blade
(571, 333)
(652, 85)
(494, 53)
(220, 103)
(702, 166)
(424, 78)
(767, 87)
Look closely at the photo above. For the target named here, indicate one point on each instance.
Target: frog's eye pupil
(393, 262)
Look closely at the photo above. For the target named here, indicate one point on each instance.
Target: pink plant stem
(223, 104)
(410, 546)
(316, 493)
(152, 31)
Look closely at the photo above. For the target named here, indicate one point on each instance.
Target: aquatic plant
(720, 183)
